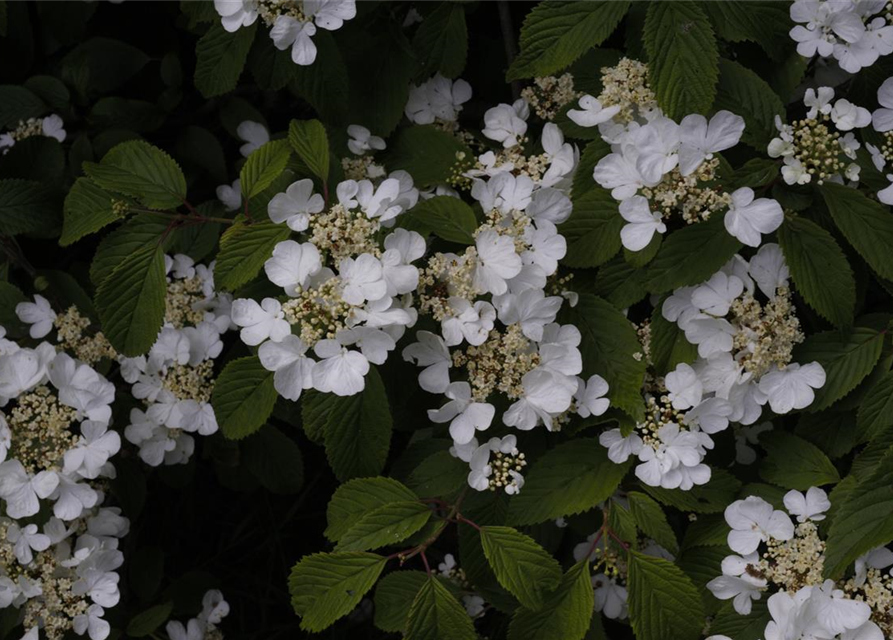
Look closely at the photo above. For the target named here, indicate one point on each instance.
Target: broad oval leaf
(243, 397)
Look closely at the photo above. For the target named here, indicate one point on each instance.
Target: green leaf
(358, 432)
(10, 296)
(608, 347)
(571, 478)
(16, 104)
(743, 92)
(683, 58)
(127, 239)
(834, 432)
(147, 622)
(324, 84)
(819, 269)
(875, 415)
(308, 139)
(764, 22)
(866, 224)
(275, 460)
(131, 301)
(429, 154)
(847, 358)
(440, 474)
(583, 181)
(650, 518)
(620, 283)
(243, 250)
(436, 614)
(384, 526)
(593, 229)
(101, 65)
(87, 209)
(445, 216)
(393, 597)
(137, 169)
(662, 597)
(243, 397)
(566, 613)
(327, 586)
(793, 463)
(729, 622)
(220, 58)
(863, 521)
(263, 166)
(709, 241)
(669, 346)
(26, 207)
(356, 498)
(521, 565)
(555, 33)
(441, 41)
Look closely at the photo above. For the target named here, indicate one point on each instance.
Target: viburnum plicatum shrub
(384, 320)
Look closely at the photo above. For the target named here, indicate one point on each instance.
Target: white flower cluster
(744, 349)
(57, 564)
(348, 285)
(474, 604)
(771, 551)
(850, 31)
(438, 100)
(811, 148)
(658, 167)
(882, 122)
(204, 626)
(50, 127)
(175, 379)
(292, 23)
(493, 309)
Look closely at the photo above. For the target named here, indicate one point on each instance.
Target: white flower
(194, 630)
(430, 352)
(362, 140)
(260, 322)
(641, 223)
(590, 398)
(292, 265)
(437, 99)
(736, 584)
(879, 558)
(72, 498)
(472, 323)
(374, 344)
(792, 387)
(882, 119)
(464, 415)
(610, 597)
(381, 202)
(25, 540)
(214, 607)
(93, 449)
(811, 506)
(549, 204)
(712, 335)
(330, 14)
(753, 521)
(295, 206)
(531, 309)
(235, 14)
(794, 172)
(254, 134)
(474, 605)
(700, 140)
(715, 297)
(497, 262)
(684, 388)
(666, 466)
(506, 123)
(230, 196)
(592, 112)
(818, 102)
(546, 395)
(289, 32)
(81, 388)
(340, 371)
(620, 448)
(52, 127)
(293, 370)
(362, 279)
(747, 218)
(39, 314)
(478, 477)
(769, 269)
(23, 492)
(848, 116)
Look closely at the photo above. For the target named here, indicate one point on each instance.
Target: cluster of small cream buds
(39, 424)
(547, 95)
(501, 467)
(644, 333)
(688, 195)
(612, 565)
(444, 278)
(361, 168)
(182, 300)
(557, 285)
(319, 312)
(817, 147)
(27, 128)
(342, 233)
(269, 10)
(626, 85)
(767, 333)
(498, 364)
(795, 563)
(120, 208)
(877, 592)
(458, 177)
(513, 224)
(190, 383)
(659, 411)
(887, 146)
(70, 327)
(57, 606)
